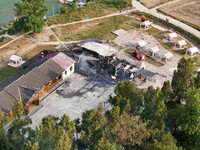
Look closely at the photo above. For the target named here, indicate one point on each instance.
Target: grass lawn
(91, 10)
(6, 40)
(100, 29)
(153, 62)
(7, 72)
(159, 35)
(37, 50)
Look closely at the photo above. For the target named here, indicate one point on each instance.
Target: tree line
(151, 119)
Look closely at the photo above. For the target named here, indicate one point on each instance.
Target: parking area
(74, 97)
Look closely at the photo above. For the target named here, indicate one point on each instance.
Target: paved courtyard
(74, 97)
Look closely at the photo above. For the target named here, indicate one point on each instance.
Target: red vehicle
(138, 55)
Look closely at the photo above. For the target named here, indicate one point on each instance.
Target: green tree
(18, 109)
(106, 142)
(30, 15)
(62, 141)
(54, 134)
(129, 131)
(92, 127)
(167, 92)
(182, 81)
(28, 145)
(127, 95)
(155, 110)
(68, 125)
(64, 8)
(197, 80)
(4, 144)
(17, 133)
(190, 123)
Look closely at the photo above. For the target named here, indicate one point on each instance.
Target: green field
(7, 72)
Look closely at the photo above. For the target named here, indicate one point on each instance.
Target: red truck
(138, 55)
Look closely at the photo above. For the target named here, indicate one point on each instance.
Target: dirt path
(167, 3)
(92, 19)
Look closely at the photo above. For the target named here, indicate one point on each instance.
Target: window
(65, 71)
(71, 68)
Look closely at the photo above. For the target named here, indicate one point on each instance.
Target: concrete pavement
(177, 23)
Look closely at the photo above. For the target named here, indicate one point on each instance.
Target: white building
(181, 43)
(166, 56)
(145, 24)
(140, 44)
(171, 36)
(15, 61)
(154, 50)
(67, 63)
(192, 51)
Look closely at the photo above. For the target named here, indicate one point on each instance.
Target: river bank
(7, 13)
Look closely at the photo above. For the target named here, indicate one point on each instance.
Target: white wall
(65, 76)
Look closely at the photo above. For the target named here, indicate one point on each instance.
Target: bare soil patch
(184, 10)
(153, 3)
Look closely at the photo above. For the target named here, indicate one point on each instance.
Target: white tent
(141, 43)
(172, 35)
(167, 56)
(181, 43)
(145, 24)
(192, 51)
(101, 49)
(154, 50)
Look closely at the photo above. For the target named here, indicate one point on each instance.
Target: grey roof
(6, 101)
(26, 94)
(26, 85)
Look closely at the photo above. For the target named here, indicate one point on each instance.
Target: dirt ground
(153, 3)
(185, 10)
(25, 45)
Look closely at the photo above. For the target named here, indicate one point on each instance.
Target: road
(177, 23)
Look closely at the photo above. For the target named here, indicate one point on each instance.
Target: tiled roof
(28, 83)
(63, 60)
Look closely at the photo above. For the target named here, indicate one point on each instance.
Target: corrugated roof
(101, 49)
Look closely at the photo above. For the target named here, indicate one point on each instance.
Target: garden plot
(153, 3)
(184, 10)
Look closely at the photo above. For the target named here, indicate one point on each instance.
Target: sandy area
(153, 3)
(186, 10)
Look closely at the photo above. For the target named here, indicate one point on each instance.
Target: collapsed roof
(101, 49)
